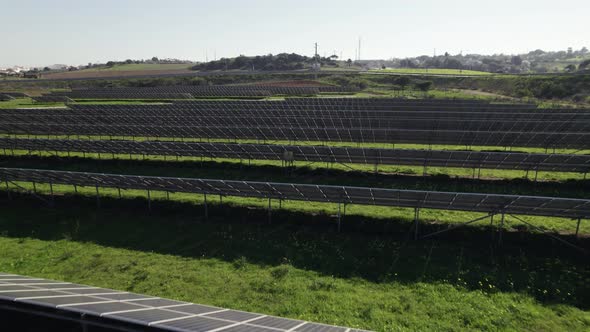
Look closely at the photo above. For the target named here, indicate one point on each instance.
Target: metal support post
(269, 211)
(149, 197)
(51, 192)
(205, 205)
(578, 227)
(416, 220)
(8, 190)
(501, 229)
(339, 217)
(97, 198)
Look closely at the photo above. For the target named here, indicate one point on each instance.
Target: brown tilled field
(112, 74)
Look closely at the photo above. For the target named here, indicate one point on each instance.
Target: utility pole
(316, 50)
(359, 48)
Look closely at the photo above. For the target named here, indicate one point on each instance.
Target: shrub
(280, 272)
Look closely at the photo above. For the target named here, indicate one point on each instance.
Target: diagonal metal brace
(457, 226)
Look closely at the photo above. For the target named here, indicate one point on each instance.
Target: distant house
(31, 75)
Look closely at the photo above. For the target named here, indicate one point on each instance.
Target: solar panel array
(4, 97)
(197, 91)
(307, 122)
(14, 94)
(372, 156)
(335, 119)
(142, 311)
(489, 203)
(52, 99)
(273, 133)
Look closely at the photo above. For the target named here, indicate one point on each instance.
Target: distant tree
(516, 60)
(584, 65)
(584, 50)
(155, 59)
(110, 64)
(349, 62)
(403, 81)
(383, 67)
(46, 69)
(570, 51)
(570, 68)
(424, 86)
(447, 54)
(128, 61)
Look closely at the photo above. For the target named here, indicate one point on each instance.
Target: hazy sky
(76, 32)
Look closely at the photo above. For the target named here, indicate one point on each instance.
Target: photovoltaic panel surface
(309, 153)
(142, 311)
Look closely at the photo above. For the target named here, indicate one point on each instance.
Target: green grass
(432, 71)
(27, 103)
(365, 280)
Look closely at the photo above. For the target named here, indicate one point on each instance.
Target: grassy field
(26, 103)
(432, 71)
(371, 275)
(236, 260)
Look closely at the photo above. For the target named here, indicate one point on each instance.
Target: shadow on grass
(330, 176)
(372, 249)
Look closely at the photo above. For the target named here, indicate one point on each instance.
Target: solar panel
(372, 156)
(475, 202)
(107, 305)
(572, 140)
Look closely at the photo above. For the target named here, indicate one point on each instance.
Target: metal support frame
(51, 193)
(416, 221)
(97, 198)
(8, 190)
(339, 216)
(578, 227)
(457, 226)
(501, 229)
(551, 235)
(149, 199)
(269, 211)
(205, 205)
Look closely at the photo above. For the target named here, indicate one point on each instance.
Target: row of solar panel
(198, 88)
(307, 122)
(372, 156)
(173, 110)
(359, 135)
(196, 91)
(14, 94)
(489, 203)
(386, 106)
(141, 311)
(52, 99)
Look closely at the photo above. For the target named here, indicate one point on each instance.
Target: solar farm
(363, 196)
